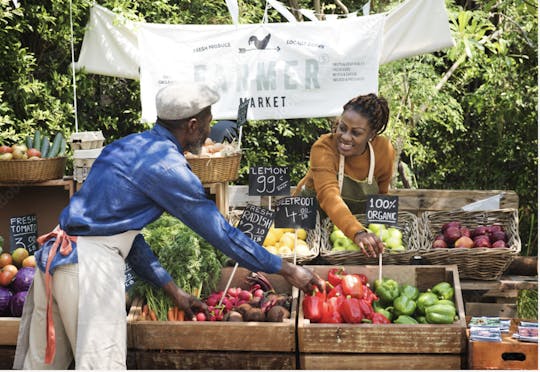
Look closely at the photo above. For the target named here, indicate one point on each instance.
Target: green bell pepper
(387, 290)
(421, 319)
(447, 302)
(424, 300)
(386, 311)
(405, 319)
(409, 291)
(443, 290)
(440, 314)
(403, 305)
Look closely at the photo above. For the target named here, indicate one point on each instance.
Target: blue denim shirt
(132, 182)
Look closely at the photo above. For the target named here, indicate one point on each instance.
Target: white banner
(301, 70)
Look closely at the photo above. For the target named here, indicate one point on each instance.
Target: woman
(350, 163)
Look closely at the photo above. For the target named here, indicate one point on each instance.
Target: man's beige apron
(88, 309)
(355, 192)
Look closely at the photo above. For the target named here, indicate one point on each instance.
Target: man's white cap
(178, 101)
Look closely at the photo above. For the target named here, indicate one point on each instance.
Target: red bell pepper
(363, 278)
(378, 318)
(369, 295)
(366, 308)
(335, 274)
(336, 291)
(350, 310)
(352, 286)
(331, 310)
(313, 306)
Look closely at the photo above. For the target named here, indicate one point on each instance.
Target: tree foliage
(461, 118)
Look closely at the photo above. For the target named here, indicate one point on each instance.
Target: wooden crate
(508, 354)
(9, 328)
(387, 346)
(212, 345)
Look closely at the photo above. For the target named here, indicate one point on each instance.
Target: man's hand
(301, 277)
(191, 305)
(369, 243)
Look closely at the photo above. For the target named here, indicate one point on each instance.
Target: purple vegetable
(17, 302)
(23, 279)
(5, 297)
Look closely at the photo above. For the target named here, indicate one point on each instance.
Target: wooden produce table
(44, 199)
(508, 354)
(387, 346)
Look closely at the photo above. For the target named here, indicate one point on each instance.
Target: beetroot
(479, 230)
(450, 224)
(439, 243)
(451, 234)
(498, 235)
(498, 244)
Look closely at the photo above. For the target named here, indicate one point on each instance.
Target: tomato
(11, 268)
(29, 261)
(5, 259)
(6, 277)
(33, 152)
(19, 255)
(4, 149)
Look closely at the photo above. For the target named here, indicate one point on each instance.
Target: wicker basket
(216, 169)
(313, 239)
(407, 223)
(473, 263)
(32, 171)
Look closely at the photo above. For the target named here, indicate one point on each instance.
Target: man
(76, 306)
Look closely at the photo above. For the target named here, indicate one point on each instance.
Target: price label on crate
(296, 212)
(382, 209)
(270, 181)
(23, 233)
(255, 222)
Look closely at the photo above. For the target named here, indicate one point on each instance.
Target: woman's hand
(191, 305)
(369, 243)
(301, 277)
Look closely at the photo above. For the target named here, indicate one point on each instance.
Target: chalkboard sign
(242, 113)
(23, 233)
(130, 276)
(382, 209)
(296, 212)
(269, 181)
(255, 222)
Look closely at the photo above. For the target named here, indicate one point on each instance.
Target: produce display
(455, 235)
(16, 274)
(349, 298)
(35, 147)
(215, 149)
(392, 237)
(287, 241)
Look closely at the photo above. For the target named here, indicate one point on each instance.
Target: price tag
(255, 222)
(382, 209)
(242, 113)
(23, 233)
(130, 276)
(269, 181)
(296, 212)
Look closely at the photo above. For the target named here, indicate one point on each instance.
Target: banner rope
(73, 67)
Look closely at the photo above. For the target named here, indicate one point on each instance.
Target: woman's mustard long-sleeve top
(323, 171)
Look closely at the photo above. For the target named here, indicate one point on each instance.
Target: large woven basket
(473, 263)
(313, 239)
(216, 169)
(32, 171)
(407, 223)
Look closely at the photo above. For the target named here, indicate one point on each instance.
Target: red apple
(464, 242)
(4, 149)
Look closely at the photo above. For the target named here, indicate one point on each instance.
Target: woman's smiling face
(353, 133)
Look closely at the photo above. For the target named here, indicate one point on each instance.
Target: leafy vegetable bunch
(193, 263)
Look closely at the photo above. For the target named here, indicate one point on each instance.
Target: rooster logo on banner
(258, 44)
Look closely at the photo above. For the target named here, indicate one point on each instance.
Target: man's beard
(196, 146)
